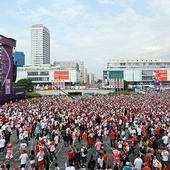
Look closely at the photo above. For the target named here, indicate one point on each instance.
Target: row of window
(44, 73)
(39, 78)
(147, 77)
(139, 64)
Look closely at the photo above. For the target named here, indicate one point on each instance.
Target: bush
(33, 95)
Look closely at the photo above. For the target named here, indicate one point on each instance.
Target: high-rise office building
(19, 58)
(40, 45)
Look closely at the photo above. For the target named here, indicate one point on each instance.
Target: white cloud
(81, 31)
(151, 48)
(106, 1)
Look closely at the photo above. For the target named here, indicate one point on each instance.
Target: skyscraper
(40, 45)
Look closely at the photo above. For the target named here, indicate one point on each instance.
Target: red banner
(61, 75)
(160, 74)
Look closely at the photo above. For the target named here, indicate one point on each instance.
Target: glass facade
(19, 59)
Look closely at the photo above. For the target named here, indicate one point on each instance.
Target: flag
(111, 83)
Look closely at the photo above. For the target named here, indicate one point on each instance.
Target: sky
(92, 31)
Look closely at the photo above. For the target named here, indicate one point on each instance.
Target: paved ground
(61, 153)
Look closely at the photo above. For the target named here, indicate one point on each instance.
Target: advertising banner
(160, 74)
(61, 75)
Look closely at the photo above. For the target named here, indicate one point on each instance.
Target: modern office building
(40, 45)
(50, 74)
(19, 58)
(138, 71)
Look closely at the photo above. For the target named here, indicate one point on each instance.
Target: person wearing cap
(128, 166)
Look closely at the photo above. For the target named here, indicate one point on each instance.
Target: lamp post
(59, 83)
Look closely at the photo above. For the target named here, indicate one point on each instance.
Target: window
(45, 73)
(147, 78)
(32, 73)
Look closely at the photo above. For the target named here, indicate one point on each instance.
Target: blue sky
(91, 30)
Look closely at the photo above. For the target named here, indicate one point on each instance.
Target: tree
(125, 85)
(27, 83)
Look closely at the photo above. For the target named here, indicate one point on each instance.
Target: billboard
(61, 75)
(6, 68)
(116, 74)
(160, 74)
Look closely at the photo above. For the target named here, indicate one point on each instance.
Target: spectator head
(56, 165)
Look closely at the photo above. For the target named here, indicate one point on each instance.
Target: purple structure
(7, 74)
(157, 84)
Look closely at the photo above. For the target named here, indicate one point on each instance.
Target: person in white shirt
(138, 163)
(155, 162)
(70, 167)
(2, 144)
(165, 156)
(40, 156)
(21, 138)
(139, 133)
(23, 159)
(100, 162)
(56, 139)
(73, 137)
(165, 139)
(83, 155)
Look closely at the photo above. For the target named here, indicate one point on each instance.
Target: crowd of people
(137, 127)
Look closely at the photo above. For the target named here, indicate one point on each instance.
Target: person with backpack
(77, 158)
(32, 160)
(84, 153)
(92, 163)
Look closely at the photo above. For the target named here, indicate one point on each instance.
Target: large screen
(160, 74)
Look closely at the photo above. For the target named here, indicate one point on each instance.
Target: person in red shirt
(146, 167)
(112, 138)
(133, 139)
(84, 138)
(37, 147)
(70, 156)
(147, 159)
(91, 139)
(166, 167)
(105, 160)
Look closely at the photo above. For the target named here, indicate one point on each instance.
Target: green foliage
(125, 85)
(27, 83)
(33, 95)
(99, 81)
